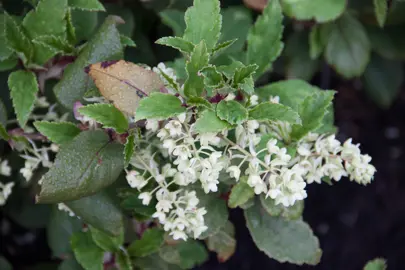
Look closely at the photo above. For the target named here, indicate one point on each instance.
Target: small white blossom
(152, 125)
(5, 192)
(207, 139)
(64, 207)
(275, 99)
(146, 197)
(5, 169)
(136, 180)
(174, 127)
(230, 96)
(234, 172)
(54, 148)
(254, 100)
(41, 102)
(29, 167)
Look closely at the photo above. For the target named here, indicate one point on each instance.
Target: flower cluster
(5, 169)
(5, 192)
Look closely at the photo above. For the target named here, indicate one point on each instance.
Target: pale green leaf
(106, 114)
(348, 47)
(159, 106)
(232, 111)
(175, 20)
(285, 241)
(23, 87)
(268, 111)
(291, 212)
(177, 43)
(223, 242)
(199, 27)
(223, 46)
(151, 241)
(380, 10)
(199, 58)
(5, 51)
(319, 10)
(208, 121)
(240, 193)
(57, 43)
(87, 253)
(70, 29)
(129, 149)
(92, 5)
(17, 40)
(376, 264)
(105, 241)
(57, 132)
(82, 167)
(264, 38)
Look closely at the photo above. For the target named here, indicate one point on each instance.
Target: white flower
(174, 127)
(146, 197)
(275, 99)
(234, 172)
(152, 125)
(230, 96)
(136, 180)
(182, 151)
(207, 139)
(41, 102)
(54, 148)
(5, 192)
(160, 216)
(254, 180)
(29, 166)
(163, 134)
(272, 147)
(182, 117)
(252, 125)
(304, 149)
(64, 207)
(178, 235)
(5, 169)
(254, 100)
(169, 144)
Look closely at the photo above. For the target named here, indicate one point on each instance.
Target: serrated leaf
(223, 46)
(208, 121)
(59, 230)
(223, 242)
(100, 212)
(319, 10)
(5, 51)
(107, 115)
(151, 241)
(57, 132)
(267, 29)
(241, 193)
(17, 40)
(198, 27)
(199, 58)
(82, 167)
(105, 241)
(23, 91)
(105, 45)
(376, 264)
(229, 70)
(348, 47)
(199, 102)
(48, 18)
(122, 260)
(124, 83)
(290, 213)
(232, 111)
(212, 78)
(186, 254)
(177, 43)
(70, 29)
(312, 111)
(87, 253)
(129, 149)
(380, 10)
(175, 20)
(92, 5)
(282, 240)
(57, 43)
(382, 80)
(127, 42)
(243, 78)
(268, 111)
(159, 106)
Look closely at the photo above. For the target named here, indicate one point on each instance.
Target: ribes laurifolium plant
(141, 163)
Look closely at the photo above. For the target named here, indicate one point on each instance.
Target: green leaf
(69, 264)
(129, 149)
(92, 5)
(100, 212)
(290, 213)
(316, 42)
(267, 29)
(268, 111)
(199, 58)
(199, 28)
(243, 79)
(59, 230)
(57, 43)
(17, 40)
(223, 242)
(199, 102)
(319, 10)
(5, 51)
(82, 167)
(87, 253)
(312, 111)
(3, 122)
(4, 264)
(106, 114)
(380, 10)
(240, 193)
(212, 78)
(154, 262)
(70, 29)
(23, 90)
(127, 41)
(9, 63)
(107, 242)
(159, 106)
(387, 42)
(232, 111)
(376, 264)
(105, 45)
(125, 13)
(187, 254)
(57, 132)
(382, 80)
(3, 133)
(122, 260)
(236, 22)
(208, 121)
(48, 18)
(151, 241)
(84, 23)
(282, 240)
(175, 20)
(177, 43)
(348, 47)
(223, 46)
(134, 204)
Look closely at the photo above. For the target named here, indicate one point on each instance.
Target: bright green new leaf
(203, 22)
(82, 167)
(59, 230)
(92, 5)
(382, 80)
(5, 51)
(290, 213)
(151, 241)
(283, 240)
(232, 111)
(199, 58)
(100, 212)
(208, 121)
(123, 260)
(57, 132)
(312, 111)
(240, 193)
(159, 106)
(268, 111)
(348, 47)
(57, 43)
(87, 253)
(23, 90)
(70, 29)
(127, 41)
(186, 254)
(105, 241)
(106, 114)
(243, 78)
(319, 10)
(129, 149)
(223, 242)
(105, 45)
(380, 10)
(175, 20)
(264, 38)
(17, 40)
(376, 264)
(177, 43)
(212, 78)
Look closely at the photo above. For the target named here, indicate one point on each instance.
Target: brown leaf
(124, 83)
(256, 4)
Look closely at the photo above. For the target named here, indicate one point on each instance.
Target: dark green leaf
(127, 41)
(243, 79)
(122, 260)
(9, 63)
(268, 111)
(387, 42)
(92, 5)
(175, 20)
(223, 242)
(232, 111)
(177, 43)
(133, 203)
(4, 264)
(87, 253)
(320, 10)
(376, 264)
(154, 262)
(82, 167)
(380, 10)
(17, 40)
(159, 106)
(3, 122)
(240, 193)
(84, 23)
(236, 22)
(107, 242)
(208, 121)
(290, 213)
(129, 149)
(199, 58)
(151, 241)
(106, 114)
(316, 42)
(5, 51)
(185, 254)
(57, 132)
(70, 264)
